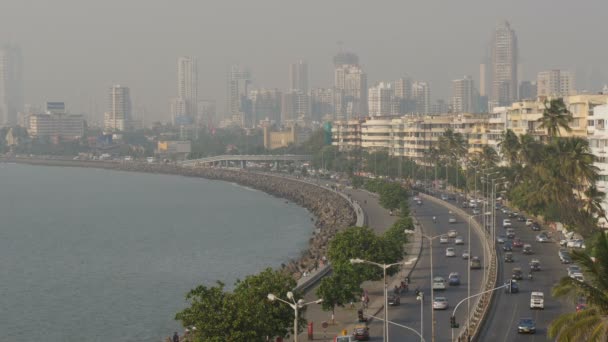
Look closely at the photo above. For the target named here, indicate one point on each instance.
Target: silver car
(459, 240)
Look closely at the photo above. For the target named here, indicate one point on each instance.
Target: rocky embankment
(332, 211)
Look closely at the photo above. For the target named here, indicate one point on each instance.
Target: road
(408, 313)
(507, 309)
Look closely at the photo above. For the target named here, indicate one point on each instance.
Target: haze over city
(73, 50)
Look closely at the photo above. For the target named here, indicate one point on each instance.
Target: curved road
(507, 309)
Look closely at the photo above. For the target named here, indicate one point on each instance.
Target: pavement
(378, 219)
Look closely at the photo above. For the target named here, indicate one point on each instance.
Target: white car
(573, 269)
(506, 223)
(578, 243)
(529, 222)
(449, 252)
(452, 233)
(465, 254)
(501, 239)
(459, 240)
(444, 239)
(542, 237)
(537, 300)
(476, 211)
(438, 283)
(578, 276)
(452, 220)
(440, 303)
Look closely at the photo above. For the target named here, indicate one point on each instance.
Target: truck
(537, 300)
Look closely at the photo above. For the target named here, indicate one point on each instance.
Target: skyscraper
(266, 105)
(321, 103)
(555, 83)
(187, 84)
(527, 90)
(504, 66)
(463, 92)
(11, 84)
(298, 76)
(118, 116)
(381, 100)
(239, 111)
(350, 87)
(421, 95)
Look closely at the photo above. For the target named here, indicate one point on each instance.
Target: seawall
(331, 210)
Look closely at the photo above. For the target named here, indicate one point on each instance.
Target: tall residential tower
(298, 77)
(11, 84)
(187, 86)
(504, 85)
(118, 116)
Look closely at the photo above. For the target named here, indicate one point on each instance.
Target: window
(590, 123)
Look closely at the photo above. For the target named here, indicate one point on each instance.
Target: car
(440, 303)
(517, 242)
(451, 197)
(542, 237)
(513, 286)
(394, 300)
(475, 263)
(535, 227)
(505, 210)
(454, 279)
(444, 197)
(535, 265)
(449, 252)
(464, 205)
(564, 256)
(452, 233)
(501, 239)
(513, 214)
(465, 254)
(418, 202)
(580, 307)
(507, 246)
(508, 257)
(537, 300)
(452, 220)
(459, 240)
(361, 332)
(416, 198)
(529, 222)
(526, 326)
(578, 243)
(438, 283)
(573, 269)
(517, 274)
(527, 249)
(444, 239)
(476, 211)
(511, 233)
(521, 218)
(578, 276)
(506, 223)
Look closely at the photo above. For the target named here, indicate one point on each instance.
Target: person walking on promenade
(175, 337)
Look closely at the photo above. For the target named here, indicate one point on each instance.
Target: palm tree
(510, 146)
(592, 202)
(590, 324)
(576, 161)
(556, 116)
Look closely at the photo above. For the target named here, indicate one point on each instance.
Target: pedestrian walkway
(345, 318)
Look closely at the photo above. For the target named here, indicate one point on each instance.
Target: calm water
(96, 255)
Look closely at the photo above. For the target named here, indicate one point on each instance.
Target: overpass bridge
(242, 159)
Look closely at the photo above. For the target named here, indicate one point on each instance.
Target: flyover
(242, 158)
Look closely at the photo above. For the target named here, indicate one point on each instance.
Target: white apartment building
(66, 126)
(597, 131)
(555, 83)
(376, 134)
(463, 100)
(381, 100)
(421, 94)
(118, 116)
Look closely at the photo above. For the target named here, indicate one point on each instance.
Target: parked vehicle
(578, 243)
(564, 256)
(361, 332)
(573, 269)
(535, 227)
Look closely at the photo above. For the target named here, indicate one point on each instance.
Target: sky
(73, 50)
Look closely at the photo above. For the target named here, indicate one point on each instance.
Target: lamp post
(469, 266)
(493, 234)
(420, 297)
(468, 298)
(400, 325)
(384, 268)
(295, 305)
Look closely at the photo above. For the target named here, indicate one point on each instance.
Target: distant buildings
(11, 84)
(504, 85)
(463, 96)
(555, 83)
(298, 77)
(381, 100)
(350, 87)
(527, 90)
(56, 123)
(294, 135)
(184, 108)
(295, 107)
(118, 117)
(239, 109)
(266, 105)
(322, 104)
(421, 95)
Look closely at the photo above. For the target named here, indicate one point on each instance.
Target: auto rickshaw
(534, 265)
(508, 257)
(517, 274)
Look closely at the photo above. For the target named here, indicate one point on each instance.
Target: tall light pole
(420, 297)
(295, 305)
(384, 268)
(401, 326)
(430, 238)
(493, 197)
(485, 261)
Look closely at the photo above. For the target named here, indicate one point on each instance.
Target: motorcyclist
(434, 219)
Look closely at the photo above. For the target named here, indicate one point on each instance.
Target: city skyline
(80, 77)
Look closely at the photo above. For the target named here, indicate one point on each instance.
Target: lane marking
(511, 322)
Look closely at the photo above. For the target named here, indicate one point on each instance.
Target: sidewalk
(346, 317)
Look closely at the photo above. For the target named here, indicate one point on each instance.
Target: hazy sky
(75, 49)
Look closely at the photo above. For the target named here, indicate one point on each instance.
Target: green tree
(590, 324)
(509, 146)
(338, 289)
(556, 116)
(391, 196)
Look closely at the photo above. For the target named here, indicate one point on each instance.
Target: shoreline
(332, 212)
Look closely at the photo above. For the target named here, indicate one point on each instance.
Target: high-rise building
(266, 105)
(555, 83)
(421, 95)
(350, 87)
(504, 66)
(321, 103)
(118, 116)
(295, 107)
(403, 88)
(381, 100)
(11, 84)
(527, 90)
(239, 110)
(187, 85)
(298, 76)
(207, 113)
(463, 94)
(483, 78)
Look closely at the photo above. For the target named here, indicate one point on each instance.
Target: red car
(581, 307)
(518, 243)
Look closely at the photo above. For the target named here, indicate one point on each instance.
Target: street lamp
(384, 268)
(295, 305)
(420, 297)
(400, 325)
(430, 238)
(469, 266)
